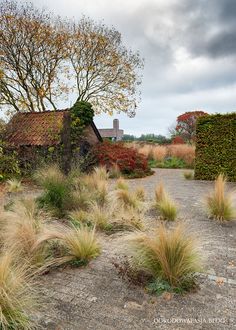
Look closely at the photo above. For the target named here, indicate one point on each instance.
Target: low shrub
(219, 203)
(170, 256)
(130, 162)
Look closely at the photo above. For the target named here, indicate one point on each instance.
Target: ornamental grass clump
(121, 184)
(140, 194)
(127, 199)
(168, 255)
(114, 172)
(99, 216)
(14, 186)
(100, 173)
(167, 208)
(79, 243)
(20, 232)
(57, 190)
(219, 203)
(127, 219)
(188, 175)
(17, 294)
(164, 204)
(78, 217)
(160, 192)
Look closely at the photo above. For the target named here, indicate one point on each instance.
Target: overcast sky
(189, 47)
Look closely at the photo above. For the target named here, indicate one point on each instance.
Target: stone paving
(94, 297)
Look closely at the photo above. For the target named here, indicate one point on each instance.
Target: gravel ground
(94, 297)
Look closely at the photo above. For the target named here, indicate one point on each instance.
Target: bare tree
(107, 74)
(32, 50)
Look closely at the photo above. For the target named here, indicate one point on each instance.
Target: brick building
(114, 133)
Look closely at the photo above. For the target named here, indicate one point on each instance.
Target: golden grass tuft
(114, 172)
(20, 232)
(183, 151)
(49, 173)
(160, 192)
(79, 216)
(80, 244)
(121, 184)
(167, 208)
(127, 199)
(99, 216)
(140, 193)
(14, 186)
(168, 255)
(219, 203)
(188, 175)
(159, 153)
(128, 219)
(100, 173)
(17, 296)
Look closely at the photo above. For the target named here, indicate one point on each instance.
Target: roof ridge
(42, 112)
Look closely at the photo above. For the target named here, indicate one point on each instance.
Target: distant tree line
(160, 139)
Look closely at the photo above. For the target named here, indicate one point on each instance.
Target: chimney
(116, 124)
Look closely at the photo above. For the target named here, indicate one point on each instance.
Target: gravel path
(95, 297)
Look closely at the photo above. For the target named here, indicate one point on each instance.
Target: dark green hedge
(216, 147)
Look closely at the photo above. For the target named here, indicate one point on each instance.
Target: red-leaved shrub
(178, 140)
(129, 161)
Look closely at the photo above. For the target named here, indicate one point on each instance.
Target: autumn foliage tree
(186, 125)
(106, 72)
(32, 50)
(43, 59)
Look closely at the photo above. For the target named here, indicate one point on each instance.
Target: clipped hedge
(216, 147)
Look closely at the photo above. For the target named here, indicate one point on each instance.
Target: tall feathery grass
(20, 232)
(114, 172)
(99, 216)
(56, 186)
(164, 204)
(219, 203)
(167, 208)
(140, 193)
(160, 192)
(100, 173)
(168, 255)
(18, 298)
(14, 185)
(80, 243)
(127, 219)
(121, 184)
(127, 199)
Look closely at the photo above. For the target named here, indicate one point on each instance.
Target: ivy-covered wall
(216, 147)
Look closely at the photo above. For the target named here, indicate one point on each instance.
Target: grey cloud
(204, 29)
